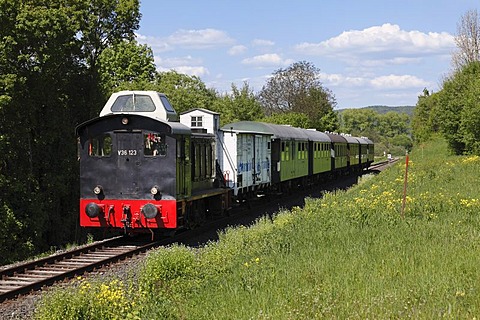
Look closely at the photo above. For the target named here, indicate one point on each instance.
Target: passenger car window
(100, 146)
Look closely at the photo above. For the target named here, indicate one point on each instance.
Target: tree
(393, 123)
(358, 121)
(467, 40)
(298, 89)
(126, 66)
(455, 100)
(390, 131)
(184, 92)
(103, 24)
(45, 86)
(294, 119)
(240, 105)
(425, 119)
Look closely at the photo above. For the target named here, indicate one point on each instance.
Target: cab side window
(154, 145)
(100, 146)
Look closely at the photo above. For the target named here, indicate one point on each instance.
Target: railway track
(31, 276)
(379, 166)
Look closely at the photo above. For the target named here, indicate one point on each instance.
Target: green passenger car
(338, 152)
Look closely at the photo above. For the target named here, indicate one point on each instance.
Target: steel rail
(32, 276)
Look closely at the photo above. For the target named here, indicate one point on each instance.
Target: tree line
(454, 111)
(59, 62)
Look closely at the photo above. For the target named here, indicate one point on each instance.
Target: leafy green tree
(390, 131)
(470, 117)
(456, 102)
(39, 62)
(184, 92)
(103, 24)
(298, 89)
(299, 120)
(240, 105)
(425, 118)
(47, 54)
(392, 124)
(358, 121)
(402, 140)
(126, 66)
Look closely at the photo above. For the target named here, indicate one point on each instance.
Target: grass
(349, 255)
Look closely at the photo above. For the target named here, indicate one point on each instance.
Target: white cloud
(191, 39)
(186, 65)
(389, 82)
(341, 80)
(385, 62)
(158, 45)
(198, 71)
(266, 60)
(398, 82)
(388, 40)
(199, 39)
(177, 61)
(262, 43)
(236, 50)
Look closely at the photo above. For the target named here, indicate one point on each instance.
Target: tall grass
(347, 255)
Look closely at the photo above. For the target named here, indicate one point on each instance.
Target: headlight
(154, 190)
(92, 210)
(149, 211)
(97, 190)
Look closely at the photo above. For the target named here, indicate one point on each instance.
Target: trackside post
(405, 187)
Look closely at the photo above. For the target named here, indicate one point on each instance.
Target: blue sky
(369, 52)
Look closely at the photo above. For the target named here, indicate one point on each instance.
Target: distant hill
(384, 109)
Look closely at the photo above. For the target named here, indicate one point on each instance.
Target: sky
(369, 52)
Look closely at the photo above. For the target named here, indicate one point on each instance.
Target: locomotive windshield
(132, 103)
(166, 103)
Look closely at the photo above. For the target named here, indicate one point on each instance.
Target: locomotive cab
(132, 171)
(145, 103)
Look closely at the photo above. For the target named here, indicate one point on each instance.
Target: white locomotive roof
(146, 103)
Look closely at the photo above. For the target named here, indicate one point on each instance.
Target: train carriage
(370, 151)
(246, 161)
(364, 160)
(338, 152)
(318, 152)
(353, 153)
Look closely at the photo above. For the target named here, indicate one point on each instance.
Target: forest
(59, 62)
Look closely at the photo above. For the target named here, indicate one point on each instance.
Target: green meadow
(350, 255)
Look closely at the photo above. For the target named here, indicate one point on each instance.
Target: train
(144, 167)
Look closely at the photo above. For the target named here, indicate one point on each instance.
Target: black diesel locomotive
(141, 168)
